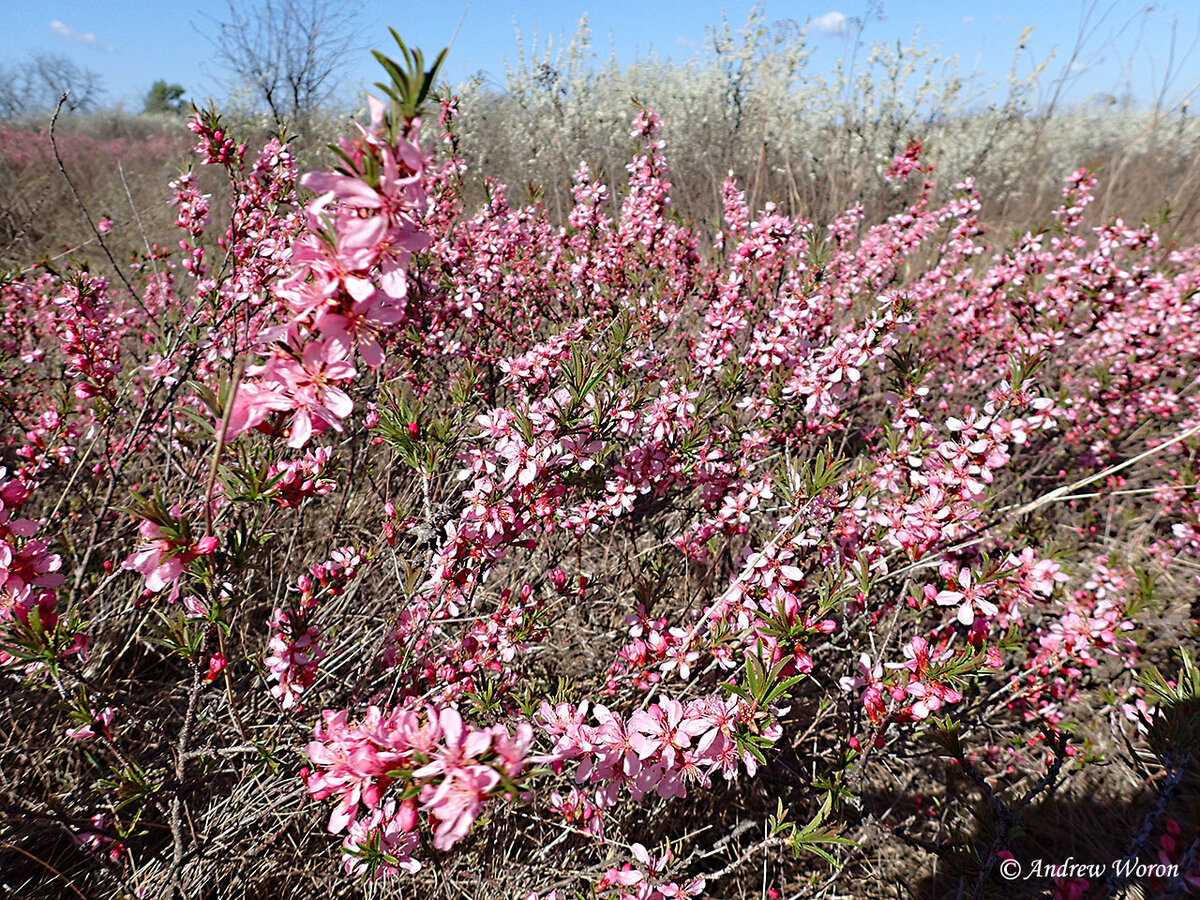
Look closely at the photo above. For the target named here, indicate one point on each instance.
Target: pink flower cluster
(166, 551)
(98, 839)
(28, 574)
(661, 749)
(302, 478)
(193, 217)
(644, 879)
(86, 321)
(295, 648)
(347, 287)
(441, 766)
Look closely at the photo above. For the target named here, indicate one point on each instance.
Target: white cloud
(686, 43)
(79, 37)
(968, 20)
(831, 23)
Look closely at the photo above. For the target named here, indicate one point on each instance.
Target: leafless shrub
(286, 54)
(34, 86)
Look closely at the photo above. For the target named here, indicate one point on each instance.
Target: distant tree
(163, 98)
(287, 53)
(34, 86)
(54, 75)
(11, 102)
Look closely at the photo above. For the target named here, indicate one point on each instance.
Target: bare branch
(286, 54)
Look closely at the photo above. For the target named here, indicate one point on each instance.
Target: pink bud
(216, 665)
(206, 545)
(407, 814)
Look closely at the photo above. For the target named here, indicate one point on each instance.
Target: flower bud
(406, 816)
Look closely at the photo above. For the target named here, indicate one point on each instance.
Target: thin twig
(141, 226)
(1060, 493)
(215, 466)
(62, 98)
(175, 872)
(42, 862)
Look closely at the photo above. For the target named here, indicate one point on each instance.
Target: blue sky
(1126, 49)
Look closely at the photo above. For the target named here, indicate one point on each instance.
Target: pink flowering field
(355, 541)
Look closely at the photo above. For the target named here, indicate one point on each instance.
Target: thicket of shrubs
(815, 141)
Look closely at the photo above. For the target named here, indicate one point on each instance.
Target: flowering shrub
(813, 131)
(462, 535)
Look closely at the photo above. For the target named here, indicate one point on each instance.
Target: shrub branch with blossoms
(380, 537)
